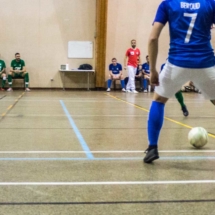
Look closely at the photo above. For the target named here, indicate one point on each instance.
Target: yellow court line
(169, 119)
(8, 109)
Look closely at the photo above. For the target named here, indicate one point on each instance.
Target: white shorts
(173, 77)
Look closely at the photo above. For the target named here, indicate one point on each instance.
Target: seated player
(115, 73)
(17, 70)
(146, 76)
(3, 74)
(180, 98)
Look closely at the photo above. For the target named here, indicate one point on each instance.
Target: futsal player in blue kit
(115, 73)
(146, 74)
(191, 58)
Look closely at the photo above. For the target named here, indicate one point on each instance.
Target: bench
(17, 79)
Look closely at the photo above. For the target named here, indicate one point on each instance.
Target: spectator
(3, 73)
(18, 70)
(130, 62)
(115, 73)
(146, 76)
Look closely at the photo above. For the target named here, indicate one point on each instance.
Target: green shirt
(2, 65)
(17, 65)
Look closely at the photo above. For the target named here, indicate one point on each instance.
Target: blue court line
(106, 159)
(77, 132)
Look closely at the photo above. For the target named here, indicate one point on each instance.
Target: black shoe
(185, 111)
(151, 154)
(141, 90)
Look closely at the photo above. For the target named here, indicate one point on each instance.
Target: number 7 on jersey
(193, 17)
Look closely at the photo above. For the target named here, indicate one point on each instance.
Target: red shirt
(132, 55)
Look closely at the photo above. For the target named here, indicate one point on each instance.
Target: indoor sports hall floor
(81, 153)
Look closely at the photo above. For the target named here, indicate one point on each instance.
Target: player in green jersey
(17, 70)
(3, 73)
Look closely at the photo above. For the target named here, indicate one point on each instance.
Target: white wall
(40, 31)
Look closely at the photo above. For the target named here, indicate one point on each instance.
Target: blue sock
(109, 83)
(144, 84)
(122, 83)
(155, 122)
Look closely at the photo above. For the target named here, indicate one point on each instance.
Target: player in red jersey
(130, 62)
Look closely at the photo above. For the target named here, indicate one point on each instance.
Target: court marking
(187, 158)
(11, 106)
(101, 183)
(2, 96)
(167, 118)
(77, 132)
(104, 152)
(111, 202)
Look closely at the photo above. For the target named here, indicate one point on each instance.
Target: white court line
(82, 115)
(103, 152)
(96, 183)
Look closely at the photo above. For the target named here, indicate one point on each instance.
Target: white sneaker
(108, 89)
(134, 91)
(145, 91)
(128, 91)
(9, 89)
(123, 89)
(27, 89)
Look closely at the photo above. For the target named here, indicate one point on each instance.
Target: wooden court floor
(70, 152)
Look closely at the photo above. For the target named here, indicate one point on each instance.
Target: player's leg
(26, 78)
(10, 77)
(180, 99)
(121, 78)
(155, 122)
(132, 79)
(130, 71)
(109, 82)
(4, 78)
(126, 82)
(140, 83)
(204, 79)
(145, 84)
(170, 81)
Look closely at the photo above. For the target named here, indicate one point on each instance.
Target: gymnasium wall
(40, 31)
(133, 20)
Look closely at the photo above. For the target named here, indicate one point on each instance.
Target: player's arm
(110, 73)
(3, 70)
(12, 70)
(23, 66)
(23, 69)
(144, 73)
(153, 50)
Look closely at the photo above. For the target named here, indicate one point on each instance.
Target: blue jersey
(146, 68)
(115, 69)
(190, 24)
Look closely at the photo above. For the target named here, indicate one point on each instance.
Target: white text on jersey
(192, 6)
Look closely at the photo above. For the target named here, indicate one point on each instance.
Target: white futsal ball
(198, 137)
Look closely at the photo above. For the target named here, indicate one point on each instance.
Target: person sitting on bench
(18, 70)
(115, 73)
(3, 73)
